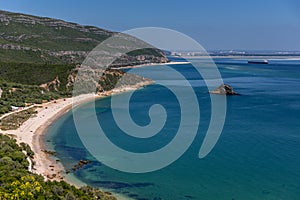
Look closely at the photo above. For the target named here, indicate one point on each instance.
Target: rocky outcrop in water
(224, 89)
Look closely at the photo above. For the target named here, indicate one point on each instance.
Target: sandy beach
(32, 130)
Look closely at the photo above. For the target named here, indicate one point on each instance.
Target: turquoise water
(256, 157)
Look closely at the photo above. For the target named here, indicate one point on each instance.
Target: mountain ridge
(46, 40)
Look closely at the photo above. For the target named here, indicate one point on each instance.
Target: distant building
(14, 108)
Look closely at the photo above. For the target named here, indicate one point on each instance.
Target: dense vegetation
(26, 84)
(14, 94)
(34, 74)
(21, 83)
(17, 183)
(146, 51)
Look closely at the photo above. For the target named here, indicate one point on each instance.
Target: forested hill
(40, 57)
(27, 38)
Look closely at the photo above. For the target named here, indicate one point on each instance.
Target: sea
(257, 155)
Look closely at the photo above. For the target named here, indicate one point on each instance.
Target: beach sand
(32, 130)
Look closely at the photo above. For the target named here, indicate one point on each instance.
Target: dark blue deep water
(257, 156)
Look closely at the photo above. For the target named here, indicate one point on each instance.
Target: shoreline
(244, 57)
(33, 130)
(152, 64)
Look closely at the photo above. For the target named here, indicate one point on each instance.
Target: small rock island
(224, 89)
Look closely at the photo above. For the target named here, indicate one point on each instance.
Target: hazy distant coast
(238, 54)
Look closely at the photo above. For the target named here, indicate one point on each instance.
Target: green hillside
(39, 58)
(39, 61)
(27, 38)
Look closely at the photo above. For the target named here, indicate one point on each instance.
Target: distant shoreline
(151, 64)
(246, 57)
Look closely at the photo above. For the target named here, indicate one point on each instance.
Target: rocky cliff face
(224, 89)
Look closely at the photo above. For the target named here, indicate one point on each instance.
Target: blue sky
(215, 24)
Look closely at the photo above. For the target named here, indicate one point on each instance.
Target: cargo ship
(258, 62)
